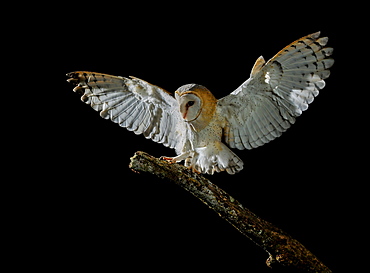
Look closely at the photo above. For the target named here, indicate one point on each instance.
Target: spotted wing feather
(276, 93)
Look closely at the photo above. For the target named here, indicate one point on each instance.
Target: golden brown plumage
(199, 126)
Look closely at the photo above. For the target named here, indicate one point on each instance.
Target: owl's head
(197, 104)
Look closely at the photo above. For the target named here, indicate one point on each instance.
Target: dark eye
(190, 103)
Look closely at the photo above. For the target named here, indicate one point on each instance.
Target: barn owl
(201, 128)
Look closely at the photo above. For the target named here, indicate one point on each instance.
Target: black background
(91, 212)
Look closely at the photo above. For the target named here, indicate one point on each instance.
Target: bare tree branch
(283, 250)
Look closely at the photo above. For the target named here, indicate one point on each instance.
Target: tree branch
(283, 250)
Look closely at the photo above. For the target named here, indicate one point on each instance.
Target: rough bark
(283, 250)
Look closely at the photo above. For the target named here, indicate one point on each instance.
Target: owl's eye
(190, 103)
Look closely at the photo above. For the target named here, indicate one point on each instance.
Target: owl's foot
(194, 170)
(170, 160)
(175, 159)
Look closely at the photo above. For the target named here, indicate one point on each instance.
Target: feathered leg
(176, 159)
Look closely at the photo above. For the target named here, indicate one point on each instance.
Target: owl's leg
(188, 157)
(190, 163)
(169, 159)
(176, 159)
(187, 162)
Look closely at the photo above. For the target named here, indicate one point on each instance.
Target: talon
(194, 170)
(168, 159)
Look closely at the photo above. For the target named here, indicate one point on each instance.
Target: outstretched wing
(132, 103)
(277, 92)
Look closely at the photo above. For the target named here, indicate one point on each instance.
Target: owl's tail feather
(215, 157)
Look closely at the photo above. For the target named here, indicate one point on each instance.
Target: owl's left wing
(277, 92)
(132, 103)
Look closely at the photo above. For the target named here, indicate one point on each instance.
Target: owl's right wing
(132, 103)
(277, 92)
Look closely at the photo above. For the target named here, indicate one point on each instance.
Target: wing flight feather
(132, 103)
(277, 92)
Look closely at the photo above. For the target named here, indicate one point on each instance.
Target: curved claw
(193, 169)
(170, 160)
